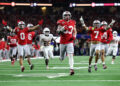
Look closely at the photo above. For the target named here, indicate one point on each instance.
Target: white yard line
(68, 67)
(60, 81)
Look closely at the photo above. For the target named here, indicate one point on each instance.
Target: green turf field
(58, 74)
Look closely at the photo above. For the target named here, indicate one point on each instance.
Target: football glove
(40, 22)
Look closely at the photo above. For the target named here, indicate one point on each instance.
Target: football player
(113, 49)
(2, 48)
(30, 37)
(21, 30)
(67, 30)
(105, 40)
(12, 41)
(45, 40)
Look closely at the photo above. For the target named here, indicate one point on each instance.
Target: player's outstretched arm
(74, 31)
(83, 23)
(6, 26)
(36, 26)
(111, 24)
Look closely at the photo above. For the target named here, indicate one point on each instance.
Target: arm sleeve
(110, 38)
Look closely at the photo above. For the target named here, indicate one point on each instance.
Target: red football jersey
(2, 45)
(22, 35)
(96, 33)
(12, 41)
(107, 36)
(7, 47)
(37, 47)
(30, 37)
(65, 38)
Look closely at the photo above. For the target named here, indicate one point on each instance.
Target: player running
(21, 30)
(67, 30)
(30, 37)
(45, 39)
(113, 48)
(12, 41)
(105, 40)
(96, 33)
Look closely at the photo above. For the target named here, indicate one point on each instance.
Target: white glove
(113, 21)
(82, 21)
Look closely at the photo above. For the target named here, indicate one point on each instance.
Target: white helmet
(115, 33)
(65, 13)
(104, 23)
(21, 24)
(30, 25)
(96, 23)
(3, 39)
(46, 31)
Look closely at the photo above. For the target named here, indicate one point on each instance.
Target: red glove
(40, 22)
(4, 22)
(18, 21)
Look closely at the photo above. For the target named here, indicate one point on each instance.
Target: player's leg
(109, 51)
(50, 52)
(14, 52)
(20, 54)
(62, 51)
(11, 55)
(70, 52)
(45, 52)
(28, 55)
(92, 49)
(103, 55)
(97, 53)
(1, 55)
(115, 50)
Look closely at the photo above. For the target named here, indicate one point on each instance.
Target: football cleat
(89, 69)
(12, 62)
(72, 72)
(47, 67)
(104, 66)
(112, 62)
(31, 67)
(22, 69)
(95, 66)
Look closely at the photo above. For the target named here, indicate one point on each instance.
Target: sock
(46, 62)
(30, 65)
(95, 63)
(103, 63)
(21, 66)
(89, 65)
(71, 61)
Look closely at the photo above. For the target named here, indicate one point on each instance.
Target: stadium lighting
(12, 4)
(43, 8)
(82, 4)
(39, 4)
(95, 4)
(25, 4)
(1, 8)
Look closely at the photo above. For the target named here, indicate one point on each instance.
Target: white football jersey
(115, 41)
(45, 40)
